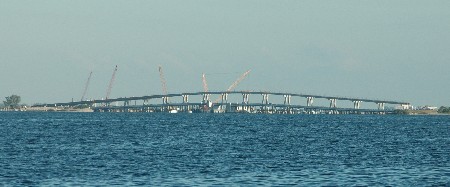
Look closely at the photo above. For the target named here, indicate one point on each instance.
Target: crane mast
(205, 85)
(86, 86)
(163, 80)
(111, 82)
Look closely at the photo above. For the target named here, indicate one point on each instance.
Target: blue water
(96, 149)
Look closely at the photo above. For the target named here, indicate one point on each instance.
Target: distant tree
(401, 112)
(12, 101)
(444, 109)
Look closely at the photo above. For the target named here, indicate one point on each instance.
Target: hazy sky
(397, 50)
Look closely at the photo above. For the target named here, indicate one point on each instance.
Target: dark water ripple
(104, 149)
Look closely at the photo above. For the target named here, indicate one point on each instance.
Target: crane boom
(86, 86)
(111, 82)
(163, 80)
(235, 83)
(205, 85)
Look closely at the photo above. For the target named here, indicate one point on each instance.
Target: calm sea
(104, 149)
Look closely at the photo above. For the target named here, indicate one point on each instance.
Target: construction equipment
(235, 83)
(164, 88)
(205, 85)
(111, 82)
(86, 86)
(163, 80)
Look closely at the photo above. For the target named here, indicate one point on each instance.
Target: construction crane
(111, 82)
(235, 83)
(205, 85)
(86, 86)
(163, 80)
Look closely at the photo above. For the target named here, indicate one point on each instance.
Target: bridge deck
(125, 99)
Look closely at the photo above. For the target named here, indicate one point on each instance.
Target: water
(96, 149)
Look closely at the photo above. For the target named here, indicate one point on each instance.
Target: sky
(384, 49)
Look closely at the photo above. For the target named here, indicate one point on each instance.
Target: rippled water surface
(95, 149)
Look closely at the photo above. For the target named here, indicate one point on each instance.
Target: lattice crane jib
(235, 83)
(205, 84)
(86, 86)
(163, 80)
(111, 82)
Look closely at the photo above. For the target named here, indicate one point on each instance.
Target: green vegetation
(401, 112)
(444, 109)
(416, 112)
(12, 101)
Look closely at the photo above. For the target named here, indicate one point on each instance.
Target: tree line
(444, 109)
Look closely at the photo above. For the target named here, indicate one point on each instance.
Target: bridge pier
(245, 101)
(333, 105)
(165, 101)
(265, 99)
(357, 104)
(185, 101)
(224, 98)
(380, 106)
(126, 104)
(265, 102)
(287, 101)
(309, 101)
(206, 102)
(145, 102)
(206, 98)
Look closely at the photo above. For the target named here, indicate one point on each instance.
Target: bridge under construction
(142, 104)
(180, 102)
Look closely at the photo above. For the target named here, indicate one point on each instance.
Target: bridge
(224, 105)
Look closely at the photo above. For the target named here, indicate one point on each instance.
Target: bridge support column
(357, 104)
(224, 98)
(186, 101)
(309, 101)
(265, 99)
(265, 102)
(332, 103)
(380, 106)
(185, 98)
(287, 101)
(245, 100)
(144, 108)
(206, 98)
(206, 103)
(165, 102)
